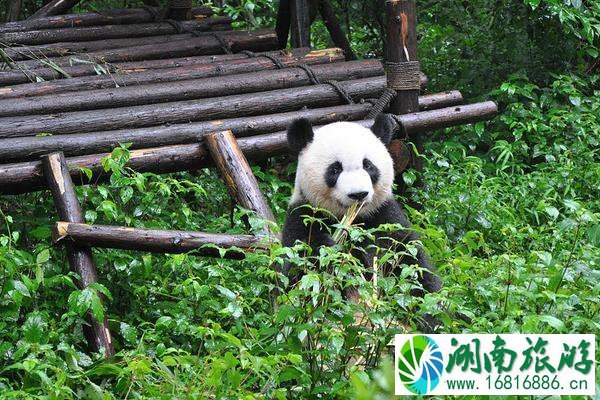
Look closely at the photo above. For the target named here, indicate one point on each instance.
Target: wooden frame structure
(188, 92)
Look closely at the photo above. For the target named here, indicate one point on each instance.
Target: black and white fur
(342, 163)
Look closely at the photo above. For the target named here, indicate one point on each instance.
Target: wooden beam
(249, 104)
(300, 23)
(238, 176)
(402, 47)
(260, 81)
(28, 148)
(334, 27)
(106, 17)
(80, 258)
(54, 7)
(82, 34)
(28, 177)
(157, 241)
(282, 26)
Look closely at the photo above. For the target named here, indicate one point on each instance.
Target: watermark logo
(495, 364)
(419, 364)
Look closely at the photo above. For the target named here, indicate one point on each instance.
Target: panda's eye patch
(368, 165)
(371, 169)
(332, 173)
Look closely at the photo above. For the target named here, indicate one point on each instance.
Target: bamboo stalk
(157, 241)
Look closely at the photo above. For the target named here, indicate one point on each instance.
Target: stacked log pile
(185, 94)
(82, 84)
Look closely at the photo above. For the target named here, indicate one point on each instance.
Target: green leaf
(594, 235)
(553, 322)
(43, 256)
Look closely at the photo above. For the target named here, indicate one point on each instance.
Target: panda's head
(343, 163)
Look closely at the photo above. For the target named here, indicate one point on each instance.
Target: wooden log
(206, 43)
(39, 54)
(401, 46)
(28, 177)
(419, 122)
(237, 174)
(80, 257)
(109, 31)
(13, 10)
(137, 76)
(28, 148)
(158, 241)
(300, 23)
(190, 110)
(54, 7)
(335, 29)
(179, 10)
(27, 74)
(282, 26)
(108, 17)
(189, 89)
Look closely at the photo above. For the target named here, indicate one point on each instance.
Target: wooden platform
(184, 95)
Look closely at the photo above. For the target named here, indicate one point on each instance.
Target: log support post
(59, 181)
(300, 23)
(283, 22)
(238, 176)
(334, 27)
(402, 67)
(55, 7)
(179, 10)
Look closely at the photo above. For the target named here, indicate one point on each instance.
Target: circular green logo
(420, 364)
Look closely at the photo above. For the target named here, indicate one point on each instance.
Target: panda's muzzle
(358, 196)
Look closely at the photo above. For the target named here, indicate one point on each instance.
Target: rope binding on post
(403, 75)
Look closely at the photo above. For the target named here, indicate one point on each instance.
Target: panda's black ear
(299, 134)
(384, 127)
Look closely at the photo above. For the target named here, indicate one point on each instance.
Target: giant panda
(339, 164)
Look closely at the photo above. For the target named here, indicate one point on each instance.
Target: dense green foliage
(510, 215)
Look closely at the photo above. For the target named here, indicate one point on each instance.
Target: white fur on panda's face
(343, 164)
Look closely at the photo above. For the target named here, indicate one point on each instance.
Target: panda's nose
(358, 195)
